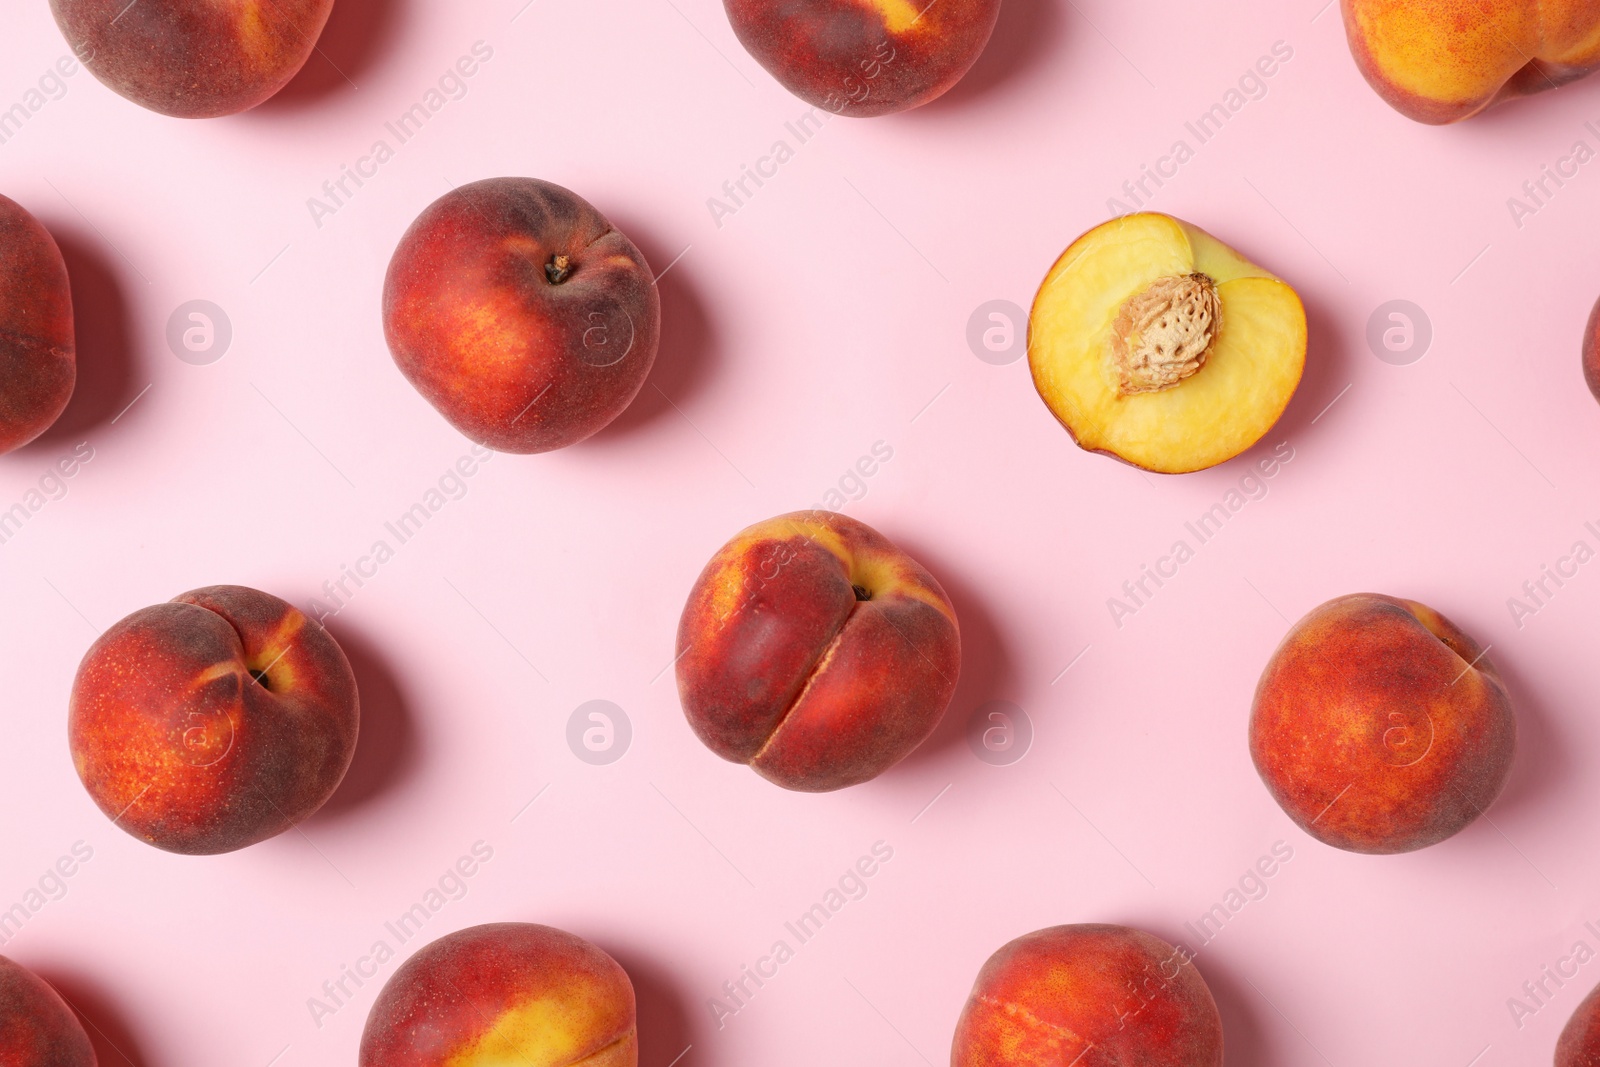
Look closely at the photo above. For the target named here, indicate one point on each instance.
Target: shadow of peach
(114, 1042)
(1027, 33)
(386, 752)
(1328, 371)
(105, 349)
(1494, 124)
(665, 1028)
(1543, 760)
(987, 672)
(358, 34)
(688, 352)
(1244, 1042)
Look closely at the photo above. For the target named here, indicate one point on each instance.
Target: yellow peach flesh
(1247, 379)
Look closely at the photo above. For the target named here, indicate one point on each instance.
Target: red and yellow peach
(193, 58)
(504, 993)
(1089, 994)
(817, 652)
(521, 314)
(864, 57)
(214, 721)
(1440, 61)
(1379, 726)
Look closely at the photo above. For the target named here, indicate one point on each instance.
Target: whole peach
(521, 314)
(214, 721)
(1579, 1045)
(1089, 994)
(505, 993)
(864, 57)
(816, 651)
(38, 361)
(1379, 726)
(193, 59)
(1440, 61)
(37, 1027)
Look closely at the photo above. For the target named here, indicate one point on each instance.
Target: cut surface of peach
(1153, 342)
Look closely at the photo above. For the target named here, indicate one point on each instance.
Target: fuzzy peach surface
(1440, 61)
(1095, 994)
(40, 1028)
(214, 721)
(38, 365)
(816, 651)
(505, 993)
(1380, 726)
(518, 311)
(864, 58)
(193, 58)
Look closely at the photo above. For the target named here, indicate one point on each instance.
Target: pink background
(828, 314)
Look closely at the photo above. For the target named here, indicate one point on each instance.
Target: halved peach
(1154, 342)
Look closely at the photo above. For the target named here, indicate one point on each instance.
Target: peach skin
(1092, 995)
(864, 57)
(816, 651)
(1591, 351)
(521, 314)
(38, 360)
(37, 1027)
(1380, 727)
(193, 59)
(1440, 61)
(1579, 1045)
(214, 721)
(500, 995)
